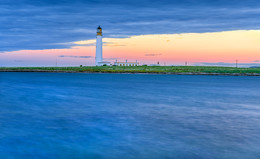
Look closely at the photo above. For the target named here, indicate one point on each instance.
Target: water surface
(110, 116)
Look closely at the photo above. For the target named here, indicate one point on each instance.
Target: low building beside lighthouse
(126, 63)
(99, 52)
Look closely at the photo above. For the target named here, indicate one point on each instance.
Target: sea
(128, 116)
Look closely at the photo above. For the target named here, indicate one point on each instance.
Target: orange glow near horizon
(227, 46)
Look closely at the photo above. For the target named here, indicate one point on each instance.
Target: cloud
(256, 61)
(46, 24)
(75, 56)
(153, 54)
(18, 60)
(111, 58)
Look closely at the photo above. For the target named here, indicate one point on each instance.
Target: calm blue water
(126, 116)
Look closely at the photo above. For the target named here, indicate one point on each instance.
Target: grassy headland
(142, 69)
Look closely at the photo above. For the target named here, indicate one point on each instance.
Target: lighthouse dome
(99, 27)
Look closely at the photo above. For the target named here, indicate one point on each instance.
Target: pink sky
(169, 49)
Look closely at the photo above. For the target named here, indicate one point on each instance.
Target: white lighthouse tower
(99, 57)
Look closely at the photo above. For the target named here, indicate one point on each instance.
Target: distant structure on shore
(126, 63)
(158, 64)
(99, 53)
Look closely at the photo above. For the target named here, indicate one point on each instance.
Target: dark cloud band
(76, 56)
(48, 24)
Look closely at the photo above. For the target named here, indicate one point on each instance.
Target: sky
(63, 32)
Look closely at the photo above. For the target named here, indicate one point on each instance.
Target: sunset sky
(199, 32)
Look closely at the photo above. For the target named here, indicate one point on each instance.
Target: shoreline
(159, 73)
(168, 70)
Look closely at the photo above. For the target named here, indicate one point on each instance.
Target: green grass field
(138, 69)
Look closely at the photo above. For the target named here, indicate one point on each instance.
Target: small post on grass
(56, 64)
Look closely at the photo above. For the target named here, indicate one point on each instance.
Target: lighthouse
(99, 57)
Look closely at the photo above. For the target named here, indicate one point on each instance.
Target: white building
(126, 63)
(99, 53)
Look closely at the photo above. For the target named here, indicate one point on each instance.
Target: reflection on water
(62, 115)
